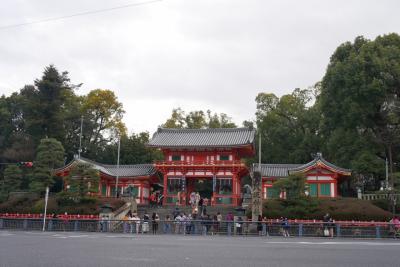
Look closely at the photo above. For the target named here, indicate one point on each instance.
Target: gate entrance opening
(203, 186)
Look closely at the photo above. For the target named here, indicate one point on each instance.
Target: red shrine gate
(211, 156)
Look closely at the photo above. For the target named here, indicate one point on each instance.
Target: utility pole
(387, 173)
(116, 182)
(45, 208)
(256, 207)
(80, 140)
(259, 152)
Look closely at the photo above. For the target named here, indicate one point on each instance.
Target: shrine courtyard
(95, 249)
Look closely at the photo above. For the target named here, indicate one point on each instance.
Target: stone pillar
(256, 207)
(359, 194)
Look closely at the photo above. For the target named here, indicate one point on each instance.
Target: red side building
(322, 177)
(133, 180)
(208, 161)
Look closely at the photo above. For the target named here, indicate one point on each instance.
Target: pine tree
(50, 155)
(12, 179)
(83, 179)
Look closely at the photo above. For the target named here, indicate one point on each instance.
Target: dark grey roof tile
(123, 170)
(275, 170)
(221, 137)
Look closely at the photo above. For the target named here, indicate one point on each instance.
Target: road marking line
(335, 243)
(5, 234)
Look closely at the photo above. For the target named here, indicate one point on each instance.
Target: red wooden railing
(200, 163)
(49, 216)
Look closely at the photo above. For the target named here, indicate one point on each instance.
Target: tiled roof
(123, 170)
(221, 137)
(275, 170)
(131, 170)
(283, 170)
(319, 160)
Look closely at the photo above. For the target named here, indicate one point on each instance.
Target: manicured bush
(311, 208)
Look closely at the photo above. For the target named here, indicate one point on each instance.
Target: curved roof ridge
(319, 158)
(160, 129)
(210, 137)
(131, 170)
(128, 165)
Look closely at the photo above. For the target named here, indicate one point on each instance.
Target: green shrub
(88, 200)
(312, 208)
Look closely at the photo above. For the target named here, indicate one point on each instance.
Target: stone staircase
(168, 210)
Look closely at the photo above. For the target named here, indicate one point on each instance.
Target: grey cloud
(204, 54)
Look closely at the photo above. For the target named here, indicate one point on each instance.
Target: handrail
(48, 216)
(199, 162)
(276, 222)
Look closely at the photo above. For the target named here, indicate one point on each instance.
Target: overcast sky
(194, 54)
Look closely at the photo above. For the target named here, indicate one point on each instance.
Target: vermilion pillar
(165, 188)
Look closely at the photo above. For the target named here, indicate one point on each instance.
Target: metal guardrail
(204, 227)
(375, 196)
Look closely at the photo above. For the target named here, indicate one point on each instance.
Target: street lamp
(117, 178)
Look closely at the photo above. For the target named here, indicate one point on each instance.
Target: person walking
(167, 225)
(200, 205)
(197, 199)
(133, 223)
(177, 223)
(259, 225)
(145, 225)
(182, 224)
(285, 227)
(239, 225)
(193, 200)
(265, 226)
(219, 221)
(328, 225)
(229, 222)
(154, 222)
(126, 222)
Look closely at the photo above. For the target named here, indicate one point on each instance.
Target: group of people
(197, 203)
(155, 199)
(197, 223)
(329, 225)
(132, 223)
(194, 223)
(263, 225)
(394, 225)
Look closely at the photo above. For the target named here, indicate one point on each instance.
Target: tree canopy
(352, 116)
(197, 119)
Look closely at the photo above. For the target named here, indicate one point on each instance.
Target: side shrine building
(208, 161)
(136, 179)
(322, 177)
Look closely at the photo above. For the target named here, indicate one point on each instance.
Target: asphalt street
(96, 249)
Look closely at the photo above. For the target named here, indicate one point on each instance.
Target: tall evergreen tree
(45, 103)
(360, 103)
(288, 127)
(83, 179)
(12, 179)
(50, 155)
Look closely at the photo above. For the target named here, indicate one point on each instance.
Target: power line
(79, 14)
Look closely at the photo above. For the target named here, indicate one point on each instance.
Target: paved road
(96, 249)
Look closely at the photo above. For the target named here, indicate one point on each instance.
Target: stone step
(163, 211)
